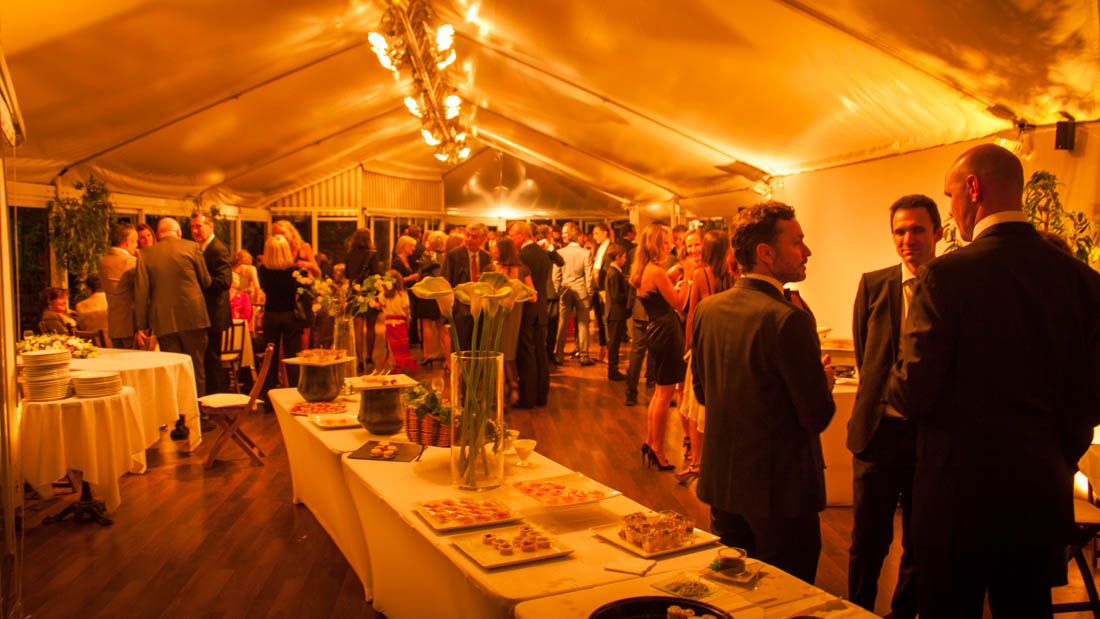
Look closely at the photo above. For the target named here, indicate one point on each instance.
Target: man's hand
(830, 375)
(140, 339)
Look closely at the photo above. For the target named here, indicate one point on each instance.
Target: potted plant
(427, 416)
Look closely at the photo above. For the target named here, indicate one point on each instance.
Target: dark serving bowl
(653, 607)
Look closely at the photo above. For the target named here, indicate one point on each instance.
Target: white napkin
(631, 566)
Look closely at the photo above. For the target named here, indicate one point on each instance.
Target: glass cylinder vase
(343, 338)
(477, 420)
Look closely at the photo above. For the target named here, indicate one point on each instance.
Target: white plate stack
(96, 384)
(46, 374)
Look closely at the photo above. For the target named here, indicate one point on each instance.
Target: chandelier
(408, 43)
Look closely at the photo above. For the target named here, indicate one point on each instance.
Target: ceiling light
(407, 42)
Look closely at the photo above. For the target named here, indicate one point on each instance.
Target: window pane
(253, 235)
(382, 241)
(31, 248)
(332, 238)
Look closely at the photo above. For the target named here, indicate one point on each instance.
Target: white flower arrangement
(80, 347)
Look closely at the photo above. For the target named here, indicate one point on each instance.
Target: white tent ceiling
(626, 100)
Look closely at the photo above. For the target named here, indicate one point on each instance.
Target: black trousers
(638, 343)
(282, 330)
(532, 361)
(193, 344)
(601, 327)
(792, 544)
(883, 478)
(212, 362)
(616, 331)
(551, 327)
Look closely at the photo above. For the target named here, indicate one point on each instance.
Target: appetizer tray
(318, 361)
(404, 452)
(383, 381)
(698, 538)
(565, 490)
(338, 421)
(455, 514)
(306, 409)
(687, 585)
(510, 546)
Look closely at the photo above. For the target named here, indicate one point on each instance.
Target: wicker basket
(427, 430)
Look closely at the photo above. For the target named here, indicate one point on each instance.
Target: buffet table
(799, 599)
(317, 477)
(834, 447)
(102, 437)
(401, 543)
(164, 383)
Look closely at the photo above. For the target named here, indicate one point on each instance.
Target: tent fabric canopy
(621, 101)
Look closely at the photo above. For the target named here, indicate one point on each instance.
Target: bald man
(998, 370)
(168, 299)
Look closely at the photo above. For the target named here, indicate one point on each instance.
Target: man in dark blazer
(998, 370)
(882, 441)
(758, 369)
(465, 264)
(220, 268)
(532, 361)
(617, 292)
(169, 279)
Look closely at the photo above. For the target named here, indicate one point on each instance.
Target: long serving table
(317, 478)
(164, 383)
(411, 571)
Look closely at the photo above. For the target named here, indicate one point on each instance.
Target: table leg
(86, 509)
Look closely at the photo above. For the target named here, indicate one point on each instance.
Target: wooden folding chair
(1087, 516)
(233, 352)
(95, 337)
(228, 411)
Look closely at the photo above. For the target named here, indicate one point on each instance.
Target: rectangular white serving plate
(487, 556)
(514, 516)
(611, 534)
(572, 481)
(335, 421)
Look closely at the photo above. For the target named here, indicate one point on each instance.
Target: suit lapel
(893, 288)
(759, 286)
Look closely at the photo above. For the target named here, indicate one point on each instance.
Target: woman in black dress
(665, 337)
(434, 336)
(363, 261)
(280, 325)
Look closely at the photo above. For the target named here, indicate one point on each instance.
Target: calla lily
(520, 292)
(437, 288)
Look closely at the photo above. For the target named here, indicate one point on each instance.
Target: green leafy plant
(424, 400)
(78, 231)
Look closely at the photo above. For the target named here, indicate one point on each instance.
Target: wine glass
(524, 448)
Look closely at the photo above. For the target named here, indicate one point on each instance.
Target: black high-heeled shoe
(655, 460)
(687, 449)
(645, 454)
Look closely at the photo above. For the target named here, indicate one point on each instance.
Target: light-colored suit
(91, 314)
(116, 273)
(574, 284)
(168, 287)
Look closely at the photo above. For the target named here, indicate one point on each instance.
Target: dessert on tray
(447, 514)
(665, 530)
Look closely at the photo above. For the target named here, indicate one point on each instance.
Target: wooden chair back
(233, 338)
(261, 377)
(95, 337)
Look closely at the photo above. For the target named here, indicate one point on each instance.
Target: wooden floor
(188, 542)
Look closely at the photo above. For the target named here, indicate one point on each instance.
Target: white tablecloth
(764, 603)
(408, 557)
(1089, 464)
(318, 478)
(165, 386)
(834, 447)
(100, 436)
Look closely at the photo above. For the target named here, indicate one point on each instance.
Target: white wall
(843, 211)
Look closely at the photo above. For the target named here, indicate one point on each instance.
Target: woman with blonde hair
(281, 327)
(243, 268)
(302, 251)
(435, 338)
(664, 337)
(362, 261)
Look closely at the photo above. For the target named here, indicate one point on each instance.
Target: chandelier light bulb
(464, 153)
(429, 138)
(442, 156)
(414, 109)
(446, 62)
(377, 42)
(445, 37)
(461, 137)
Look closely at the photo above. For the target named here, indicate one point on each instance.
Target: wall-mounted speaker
(1065, 134)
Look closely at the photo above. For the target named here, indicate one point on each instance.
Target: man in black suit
(882, 441)
(601, 236)
(532, 360)
(998, 370)
(216, 295)
(617, 294)
(758, 370)
(466, 264)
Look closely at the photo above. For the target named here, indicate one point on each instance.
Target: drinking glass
(524, 448)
